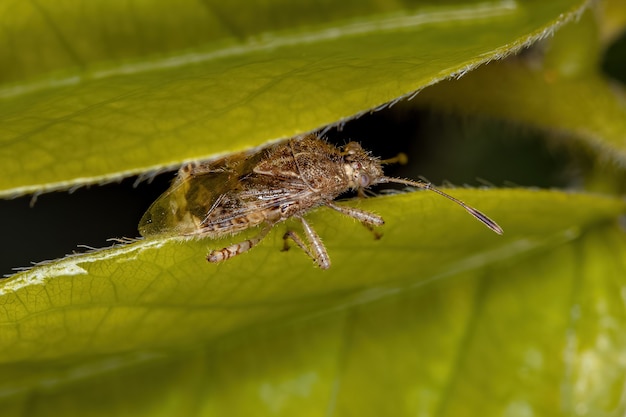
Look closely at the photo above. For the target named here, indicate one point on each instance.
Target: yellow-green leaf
(441, 316)
(97, 103)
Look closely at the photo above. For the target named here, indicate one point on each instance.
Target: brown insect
(227, 196)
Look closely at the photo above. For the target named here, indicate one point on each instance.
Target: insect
(283, 181)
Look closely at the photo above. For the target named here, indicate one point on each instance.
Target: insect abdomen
(240, 223)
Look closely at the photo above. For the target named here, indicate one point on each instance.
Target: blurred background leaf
(560, 89)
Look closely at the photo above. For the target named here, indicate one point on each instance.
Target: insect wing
(257, 199)
(196, 189)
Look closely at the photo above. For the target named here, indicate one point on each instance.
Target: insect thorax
(308, 162)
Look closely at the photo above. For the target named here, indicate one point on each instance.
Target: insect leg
(290, 234)
(238, 248)
(360, 215)
(318, 252)
(370, 227)
(367, 219)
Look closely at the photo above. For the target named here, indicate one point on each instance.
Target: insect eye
(364, 180)
(352, 148)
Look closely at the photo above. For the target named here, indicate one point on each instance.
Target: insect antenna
(428, 186)
(400, 158)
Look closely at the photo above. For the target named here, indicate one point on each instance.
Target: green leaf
(101, 104)
(471, 323)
